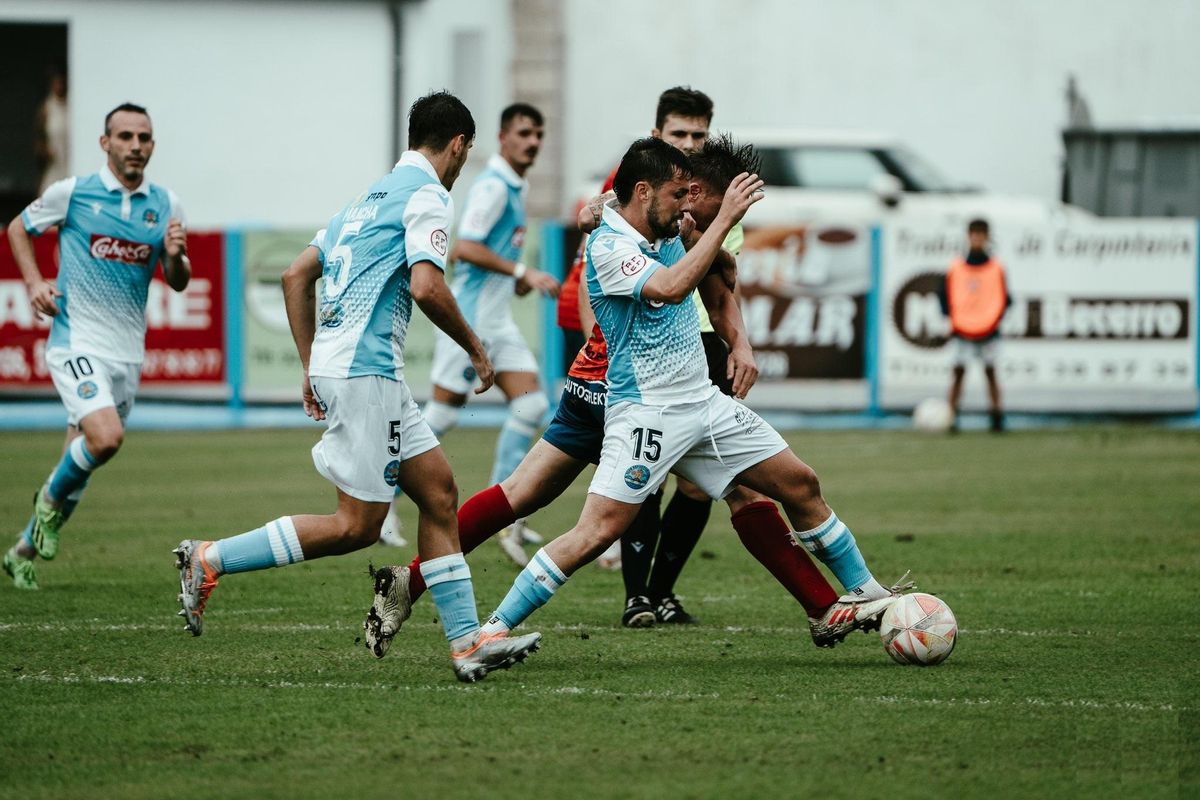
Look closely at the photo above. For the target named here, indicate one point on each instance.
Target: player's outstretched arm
(177, 267)
(431, 293)
(42, 293)
(727, 321)
(481, 255)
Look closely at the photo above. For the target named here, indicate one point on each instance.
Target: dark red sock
(484, 515)
(768, 538)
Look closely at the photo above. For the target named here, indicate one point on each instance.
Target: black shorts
(717, 353)
(578, 426)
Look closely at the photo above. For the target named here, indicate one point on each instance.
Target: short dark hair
(136, 109)
(520, 110)
(978, 225)
(722, 159)
(437, 118)
(683, 101)
(651, 160)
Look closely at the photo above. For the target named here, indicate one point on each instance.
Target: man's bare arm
(726, 317)
(42, 293)
(483, 256)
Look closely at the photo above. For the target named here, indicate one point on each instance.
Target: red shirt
(592, 362)
(568, 295)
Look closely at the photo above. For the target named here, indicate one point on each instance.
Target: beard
(662, 229)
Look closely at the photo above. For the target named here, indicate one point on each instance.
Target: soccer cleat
(638, 612)
(47, 522)
(527, 534)
(391, 533)
(491, 652)
(21, 570)
(509, 540)
(390, 608)
(196, 582)
(610, 559)
(670, 612)
(852, 613)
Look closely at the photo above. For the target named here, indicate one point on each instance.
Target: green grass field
(1070, 558)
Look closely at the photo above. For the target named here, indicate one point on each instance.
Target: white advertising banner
(1103, 315)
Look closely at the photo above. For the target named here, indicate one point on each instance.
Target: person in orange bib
(976, 297)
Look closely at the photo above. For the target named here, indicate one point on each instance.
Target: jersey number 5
(337, 265)
(646, 444)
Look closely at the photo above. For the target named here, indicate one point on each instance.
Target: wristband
(519, 270)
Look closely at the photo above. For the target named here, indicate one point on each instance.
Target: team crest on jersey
(331, 315)
(150, 218)
(438, 240)
(391, 473)
(632, 266)
(87, 390)
(637, 476)
(518, 238)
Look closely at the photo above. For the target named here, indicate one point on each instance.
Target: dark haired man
(381, 252)
(491, 234)
(663, 413)
(115, 227)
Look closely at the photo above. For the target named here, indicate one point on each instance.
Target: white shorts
(505, 346)
(374, 425)
(89, 383)
(964, 351)
(710, 442)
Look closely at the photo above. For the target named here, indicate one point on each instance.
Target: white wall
(264, 112)
(975, 86)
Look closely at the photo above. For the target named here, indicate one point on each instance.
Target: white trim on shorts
(374, 426)
(964, 351)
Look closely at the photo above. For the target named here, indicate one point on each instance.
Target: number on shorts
(646, 444)
(80, 367)
(394, 437)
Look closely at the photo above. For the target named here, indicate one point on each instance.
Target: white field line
(1082, 704)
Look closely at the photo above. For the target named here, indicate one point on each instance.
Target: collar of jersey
(411, 158)
(112, 184)
(614, 220)
(505, 170)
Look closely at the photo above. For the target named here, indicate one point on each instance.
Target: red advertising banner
(185, 331)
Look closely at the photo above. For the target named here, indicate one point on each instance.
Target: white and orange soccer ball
(933, 415)
(919, 629)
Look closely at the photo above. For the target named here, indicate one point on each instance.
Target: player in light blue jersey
(663, 413)
(114, 227)
(383, 251)
(488, 271)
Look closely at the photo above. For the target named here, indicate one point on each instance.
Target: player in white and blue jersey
(379, 254)
(488, 270)
(663, 413)
(114, 227)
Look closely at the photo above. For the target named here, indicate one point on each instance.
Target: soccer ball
(919, 629)
(933, 415)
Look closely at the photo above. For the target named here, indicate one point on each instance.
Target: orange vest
(977, 298)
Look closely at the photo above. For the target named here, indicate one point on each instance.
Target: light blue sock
(72, 471)
(273, 545)
(532, 589)
(449, 582)
(515, 438)
(834, 545)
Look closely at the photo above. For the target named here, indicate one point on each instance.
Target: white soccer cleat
(528, 535)
(491, 652)
(852, 613)
(610, 559)
(509, 540)
(390, 608)
(391, 533)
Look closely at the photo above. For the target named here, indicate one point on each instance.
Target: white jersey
(655, 356)
(367, 254)
(110, 242)
(494, 216)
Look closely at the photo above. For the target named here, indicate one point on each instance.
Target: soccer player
(381, 252)
(663, 413)
(115, 228)
(490, 236)
(573, 439)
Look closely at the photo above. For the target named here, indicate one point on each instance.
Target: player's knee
(357, 531)
(959, 372)
(530, 408)
(741, 497)
(104, 444)
(804, 486)
(441, 417)
(438, 499)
